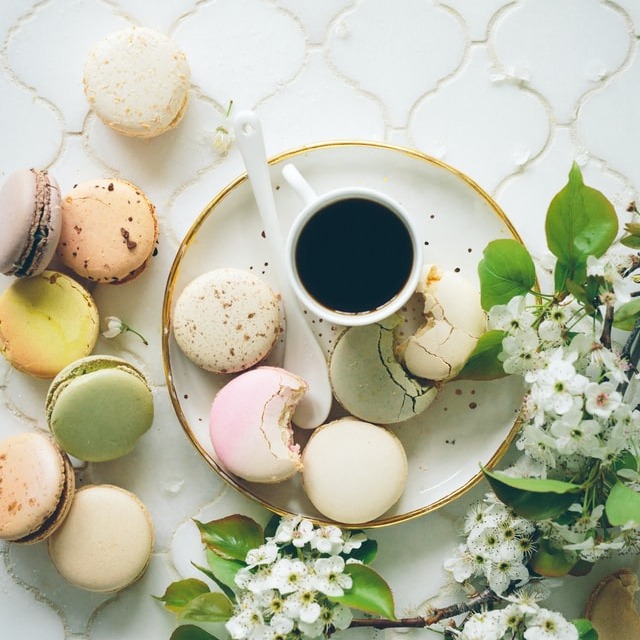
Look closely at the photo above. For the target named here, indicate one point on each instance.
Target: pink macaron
(250, 424)
(30, 212)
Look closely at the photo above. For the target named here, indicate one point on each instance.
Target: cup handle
(299, 184)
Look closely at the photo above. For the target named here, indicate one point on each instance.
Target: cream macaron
(106, 540)
(353, 471)
(227, 320)
(453, 322)
(37, 485)
(46, 322)
(137, 81)
(109, 230)
(250, 424)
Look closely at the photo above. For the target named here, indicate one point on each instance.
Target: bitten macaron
(31, 222)
(98, 407)
(137, 81)
(47, 322)
(106, 540)
(109, 230)
(37, 485)
(250, 424)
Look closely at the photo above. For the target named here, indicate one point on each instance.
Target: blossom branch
(474, 604)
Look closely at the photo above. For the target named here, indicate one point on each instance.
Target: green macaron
(98, 407)
(369, 382)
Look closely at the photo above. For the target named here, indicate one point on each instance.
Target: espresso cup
(352, 255)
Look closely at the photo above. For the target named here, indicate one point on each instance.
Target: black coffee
(354, 255)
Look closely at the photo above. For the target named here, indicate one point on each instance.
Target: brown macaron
(37, 486)
(611, 607)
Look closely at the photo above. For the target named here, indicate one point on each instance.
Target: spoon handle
(303, 354)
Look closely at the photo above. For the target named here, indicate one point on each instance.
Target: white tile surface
(510, 92)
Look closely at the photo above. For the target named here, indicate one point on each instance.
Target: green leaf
(533, 498)
(585, 629)
(633, 242)
(622, 505)
(223, 571)
(209, 607)
(366, 552)
(506, 270)
(580, 222)
(626, 315)
(369, 592)
(484, 363)
(179, 594)
(231, 537)
(191, 632)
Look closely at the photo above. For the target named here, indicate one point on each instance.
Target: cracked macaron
(453, 323)
(37, 486)
(47, 322)
(98, 407)
(369, 382)
(250, 424)
(109, 230)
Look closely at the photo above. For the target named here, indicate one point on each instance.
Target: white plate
(469, 424)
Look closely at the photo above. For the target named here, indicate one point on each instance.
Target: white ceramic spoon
(302, 354)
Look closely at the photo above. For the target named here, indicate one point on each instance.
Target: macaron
(453, 322)
(98, 407)
(137, 81)
(369, 382)
(47, 322)
(30, 213)
(106, 540)
(250, 424)
(353, 471)
(37, 485)
(227, 320)
(109, 230)
(611, 606)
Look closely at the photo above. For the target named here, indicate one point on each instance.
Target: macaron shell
(36, 482)
(46, 322)
(106, 540)
(226, 320)
(101, 414)
(30, 206)
(250, 424)
(137, 82)
(109, 230)
(369, 382)
(353, 471)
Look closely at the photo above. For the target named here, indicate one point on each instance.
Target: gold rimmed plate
(469, 424)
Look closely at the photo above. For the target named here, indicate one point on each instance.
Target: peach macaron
(38, 485)
(109, 230)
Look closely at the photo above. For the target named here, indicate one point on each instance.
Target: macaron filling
(39, 232)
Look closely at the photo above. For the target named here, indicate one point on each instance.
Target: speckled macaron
(369, 382)
(137, 81)
(47, 322)
(353, 471)
(109, 230)
(98, 407)
(227, 320)
(37, 484)
(106, 540)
